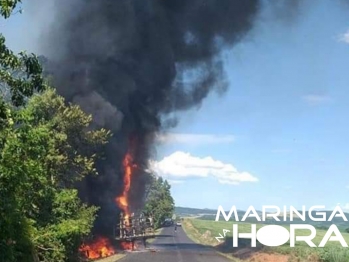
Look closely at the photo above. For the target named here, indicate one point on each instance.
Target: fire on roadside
(98, 249)
(127, 245)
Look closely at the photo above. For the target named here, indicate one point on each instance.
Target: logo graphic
(225, 231)
(276, 235)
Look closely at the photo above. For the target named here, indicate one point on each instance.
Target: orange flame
(123, 201)
(127, 245)
(100, 248)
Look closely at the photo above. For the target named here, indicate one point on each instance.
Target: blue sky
(284, 120)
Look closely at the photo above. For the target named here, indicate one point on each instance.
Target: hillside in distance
(204, 213)
(210, 214)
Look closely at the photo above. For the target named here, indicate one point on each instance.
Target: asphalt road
(174, 247)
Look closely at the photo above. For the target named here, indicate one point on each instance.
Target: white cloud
(175, 182)
(181, 165)
(344, 37)
(313, 99)
(195, 138)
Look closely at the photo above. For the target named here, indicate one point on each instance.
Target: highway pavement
(172, 246)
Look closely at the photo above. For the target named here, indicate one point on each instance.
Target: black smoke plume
(132, 63)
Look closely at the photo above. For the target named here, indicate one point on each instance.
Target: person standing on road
(175, 227)
(144, 242)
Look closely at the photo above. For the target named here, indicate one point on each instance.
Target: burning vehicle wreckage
(131, 230)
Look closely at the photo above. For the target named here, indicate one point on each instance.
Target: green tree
(7, 7)
(159, 201)
(47, 147)
(20, 75)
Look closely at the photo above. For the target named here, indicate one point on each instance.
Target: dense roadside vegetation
(205, 231)
(45, 149)
(42, 157)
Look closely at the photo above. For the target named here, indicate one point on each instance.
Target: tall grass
(334, 255)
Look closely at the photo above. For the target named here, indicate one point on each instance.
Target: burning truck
(131, 227)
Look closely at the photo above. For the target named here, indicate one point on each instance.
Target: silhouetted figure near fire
(133, 244)
(144, 242)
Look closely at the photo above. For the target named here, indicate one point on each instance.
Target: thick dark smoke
(131, 63)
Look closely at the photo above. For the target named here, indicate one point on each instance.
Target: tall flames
(123, 201)
(102, 247)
